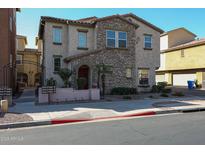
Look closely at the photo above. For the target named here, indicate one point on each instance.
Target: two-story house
(28, 63)
(127, 43)
(182, 58)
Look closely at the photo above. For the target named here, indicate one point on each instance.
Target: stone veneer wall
(119, 59)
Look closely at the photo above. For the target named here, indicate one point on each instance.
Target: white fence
(69, 94)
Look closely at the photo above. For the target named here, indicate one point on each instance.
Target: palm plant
(65, 75)
(102, 70)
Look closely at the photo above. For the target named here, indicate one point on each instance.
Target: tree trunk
(103, 85)
(98, 80)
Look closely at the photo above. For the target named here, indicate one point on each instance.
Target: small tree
(65, 75)
(102, 70)
(50, 82)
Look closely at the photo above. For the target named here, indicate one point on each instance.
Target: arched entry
(83, 77)
(22, 78)
(37, 78)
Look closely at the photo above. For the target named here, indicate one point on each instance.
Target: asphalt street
(177, 129)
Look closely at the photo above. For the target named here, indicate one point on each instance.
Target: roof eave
(145, 22)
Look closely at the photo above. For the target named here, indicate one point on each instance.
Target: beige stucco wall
(147, 58)
(51, 49)
(73, 39)
(20, 44)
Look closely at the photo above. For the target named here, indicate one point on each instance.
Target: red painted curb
(61, 121)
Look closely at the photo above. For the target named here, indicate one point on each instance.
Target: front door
(83, 75)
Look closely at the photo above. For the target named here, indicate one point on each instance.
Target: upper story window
(122, 39)
(110, 37)
(57, 35)
(147, 41)
(116, 39)
(11, 23)
(19, 59)
(82, 39)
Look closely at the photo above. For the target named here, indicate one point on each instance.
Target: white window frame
(55, 57)
(129, 76)
(118, 39)
(55, 40)
(147, 76)
(79, 45)
(145, 35)
(110, 39)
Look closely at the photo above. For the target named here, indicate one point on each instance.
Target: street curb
(59, 121)
(63, 121)
(25, 124)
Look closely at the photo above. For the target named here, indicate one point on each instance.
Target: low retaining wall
(69, 94)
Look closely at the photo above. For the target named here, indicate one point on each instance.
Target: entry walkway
(27, 96)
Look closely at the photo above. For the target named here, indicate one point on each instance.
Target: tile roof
(181, 28)
(91, 21)
(187, 45)
(143, 21)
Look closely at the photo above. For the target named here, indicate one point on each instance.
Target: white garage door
(181, 79)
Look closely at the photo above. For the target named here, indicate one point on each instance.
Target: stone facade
(119, 59)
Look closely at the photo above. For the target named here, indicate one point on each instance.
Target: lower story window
(143, 76)
(128, 73)
(57, 64)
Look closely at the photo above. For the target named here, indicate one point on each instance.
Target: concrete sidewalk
(97, 110)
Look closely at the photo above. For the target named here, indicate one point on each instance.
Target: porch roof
(74, 57)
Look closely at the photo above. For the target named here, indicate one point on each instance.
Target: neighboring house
(28, 63)
(8, 47)
(182, 58)
(128, 43)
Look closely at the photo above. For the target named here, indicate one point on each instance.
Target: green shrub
(123, 91)
(155, 89)
(65, 74)
(159, 87)
(81, 82)
(166, 90)
(50, 82)
(178, 94)
(164, 95)
(127, 97)
(151, 96)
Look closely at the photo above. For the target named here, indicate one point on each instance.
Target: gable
(133, 18)
(116, 18)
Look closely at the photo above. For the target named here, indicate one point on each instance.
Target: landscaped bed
(14, 118)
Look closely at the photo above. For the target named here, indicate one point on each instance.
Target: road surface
(187, 128)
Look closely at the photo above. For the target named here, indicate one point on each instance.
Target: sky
(166, 19)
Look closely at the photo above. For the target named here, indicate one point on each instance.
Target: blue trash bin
(191, 84)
